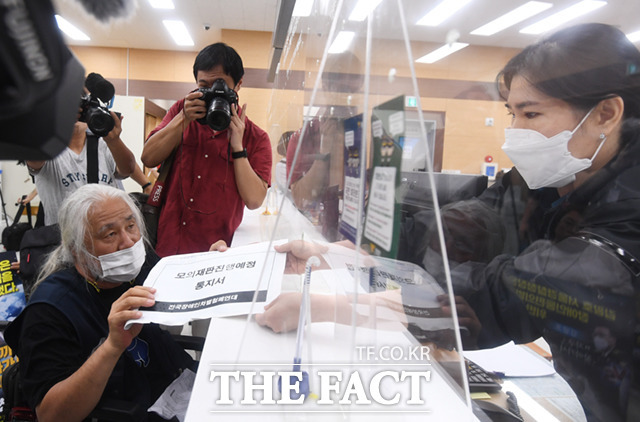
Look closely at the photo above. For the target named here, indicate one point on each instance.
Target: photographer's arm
(160, 144)
(24, 200)
(142, 179)
(35, 165)
(124, 158)
(251, 187)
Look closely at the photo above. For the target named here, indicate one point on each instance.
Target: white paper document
(512, 360)
(175, 399)
(208, 284)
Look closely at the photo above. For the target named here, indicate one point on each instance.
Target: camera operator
(57, 178)
(222, 160)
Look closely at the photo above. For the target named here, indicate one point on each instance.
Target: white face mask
(123, 265)
(542, 161)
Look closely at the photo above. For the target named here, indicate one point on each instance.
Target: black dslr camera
(218, 100)
(96, 115)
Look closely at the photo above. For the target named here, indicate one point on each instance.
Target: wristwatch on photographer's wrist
(239, 154)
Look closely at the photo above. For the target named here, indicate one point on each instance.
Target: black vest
(145, 369)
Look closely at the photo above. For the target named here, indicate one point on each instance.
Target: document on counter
(175, 398)
(511, 360)
(214, 284)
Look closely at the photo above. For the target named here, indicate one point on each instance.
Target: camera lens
(219, 114)
(99, 122)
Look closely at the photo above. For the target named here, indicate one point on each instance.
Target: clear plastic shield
(373, 332)
(402, 252)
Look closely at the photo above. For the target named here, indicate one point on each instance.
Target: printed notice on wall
(380, 214)
(214, 284)
(353, 201)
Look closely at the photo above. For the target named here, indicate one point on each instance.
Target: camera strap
(92, 158)
(156, 197)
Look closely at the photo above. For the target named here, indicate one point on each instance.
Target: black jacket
(576, 285)
(77, 316)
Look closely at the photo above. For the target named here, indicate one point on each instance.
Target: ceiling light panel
(515, 16)
(162, 4)
(179, 32)
(442, 12)
(634, 36)
(71, 31)
(302, 8)
(362, 9)
(341, 42)
(563, 16)
(442, 52)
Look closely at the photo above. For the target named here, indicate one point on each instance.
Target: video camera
(218, 100)
(96, 115)
(94, 110)
(40, 79)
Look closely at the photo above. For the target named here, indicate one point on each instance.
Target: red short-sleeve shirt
(202, 203)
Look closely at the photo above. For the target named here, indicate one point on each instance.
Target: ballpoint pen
(303, 389)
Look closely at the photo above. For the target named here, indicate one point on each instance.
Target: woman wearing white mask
(575, 102)
(70, 338)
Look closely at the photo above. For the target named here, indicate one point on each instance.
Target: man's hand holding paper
(214, 284)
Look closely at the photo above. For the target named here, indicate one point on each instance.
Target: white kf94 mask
(124, 265)
(545, 162)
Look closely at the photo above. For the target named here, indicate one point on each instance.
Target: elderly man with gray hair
(70, 338)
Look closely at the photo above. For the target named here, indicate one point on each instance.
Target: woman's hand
(467, 318)
(282, 314)
(298, 252)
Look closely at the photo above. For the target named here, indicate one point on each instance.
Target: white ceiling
(144, 29)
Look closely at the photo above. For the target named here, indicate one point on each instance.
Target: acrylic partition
(378, 337)
(408, 237)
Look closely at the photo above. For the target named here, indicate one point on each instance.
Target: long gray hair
(73, 219)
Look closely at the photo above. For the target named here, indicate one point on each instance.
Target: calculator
(480, 379)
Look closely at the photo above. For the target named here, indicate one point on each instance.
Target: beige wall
(467, 140)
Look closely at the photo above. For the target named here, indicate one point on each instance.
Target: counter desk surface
(240, 344)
